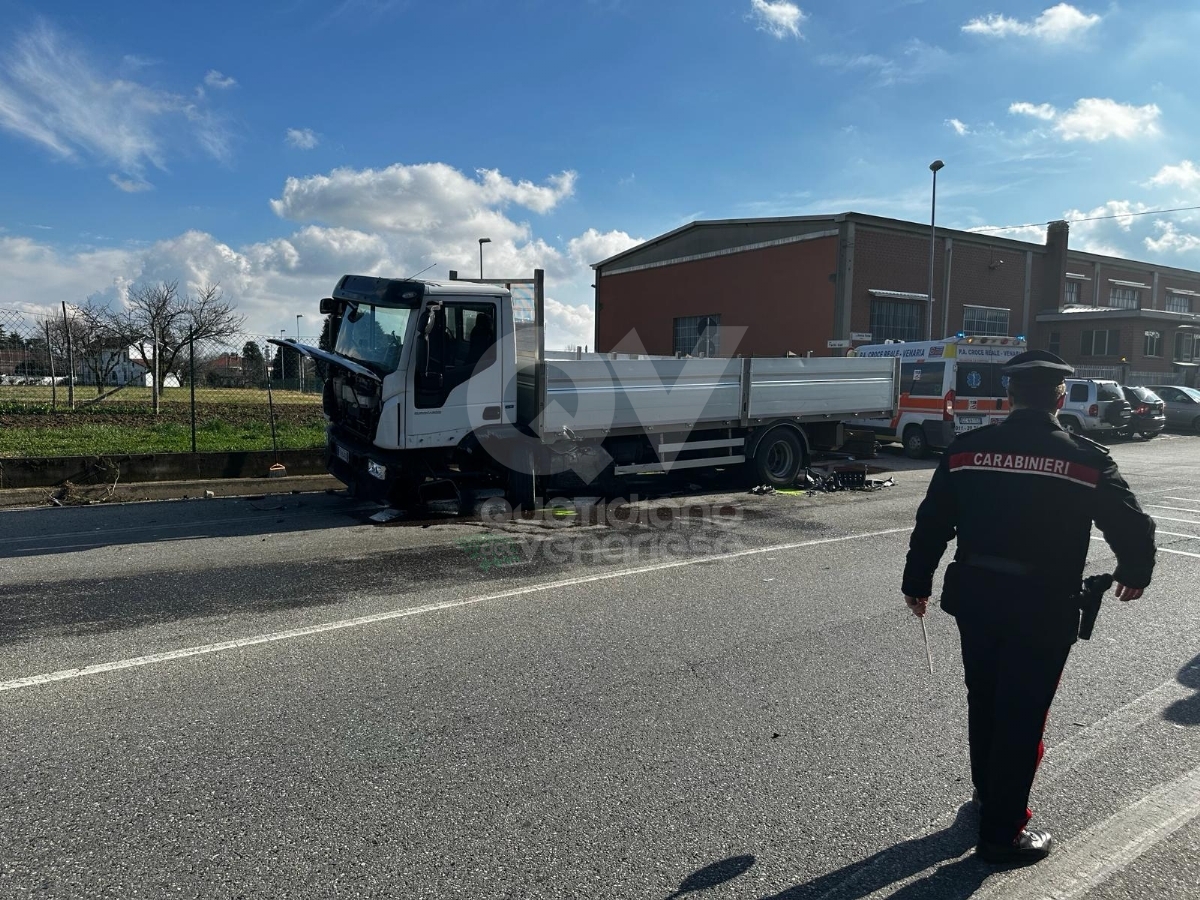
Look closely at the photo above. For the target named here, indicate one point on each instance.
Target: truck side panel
(793, 388)
(592, 396)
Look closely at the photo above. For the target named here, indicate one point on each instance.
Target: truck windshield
(374, 335)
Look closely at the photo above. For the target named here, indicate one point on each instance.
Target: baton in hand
(925, 634)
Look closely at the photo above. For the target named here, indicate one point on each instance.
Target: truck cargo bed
(597, 396)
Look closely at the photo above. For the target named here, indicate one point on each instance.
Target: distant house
(226, 370)
(115, 365)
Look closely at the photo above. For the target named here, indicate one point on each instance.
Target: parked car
(1149, 411)
(1183, 406)
(1095, 405)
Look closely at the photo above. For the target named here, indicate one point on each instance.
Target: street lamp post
(299, 359)
(934, 167)
(482, 241)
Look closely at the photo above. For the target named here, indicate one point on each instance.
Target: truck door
(457, 384)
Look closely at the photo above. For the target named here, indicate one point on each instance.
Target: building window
(1185, 346)
(698, 335)
(987, 320)
(895, 320)
(1100, 343)
(1054, 343)
(1123, 298)
(1178, 303)
(1071, 294)
(1153, 345)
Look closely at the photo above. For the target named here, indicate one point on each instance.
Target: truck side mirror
(328, 306)
(432, 314)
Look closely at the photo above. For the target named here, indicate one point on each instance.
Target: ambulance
(947, 387)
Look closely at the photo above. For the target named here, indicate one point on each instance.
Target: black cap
(1038, 362)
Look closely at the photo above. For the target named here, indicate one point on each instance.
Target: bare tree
(101, 340)
(160, 319)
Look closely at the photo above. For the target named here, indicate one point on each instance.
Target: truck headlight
(375, 470)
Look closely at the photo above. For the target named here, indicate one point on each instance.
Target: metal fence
(1138, 378)
(1121, 374)
(68, 390)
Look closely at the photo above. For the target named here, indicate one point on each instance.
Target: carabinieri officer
(1021, 498)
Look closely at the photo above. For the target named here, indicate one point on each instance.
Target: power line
(1148, 212)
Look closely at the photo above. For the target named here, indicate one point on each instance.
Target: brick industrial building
(767, 287)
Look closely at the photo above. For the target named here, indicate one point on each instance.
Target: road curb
(84, 495)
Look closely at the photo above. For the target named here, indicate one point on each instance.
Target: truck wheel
(916, 446)
(778, 459)
(1070, 425)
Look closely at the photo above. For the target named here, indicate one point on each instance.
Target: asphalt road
(275, 698)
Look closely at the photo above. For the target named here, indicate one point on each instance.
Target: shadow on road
(714, 875)
(45, 531)
(955, 881)
(1187, 711)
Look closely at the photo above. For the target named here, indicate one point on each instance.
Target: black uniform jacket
(1021, 498)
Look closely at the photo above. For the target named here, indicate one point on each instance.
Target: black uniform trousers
(1014, 649)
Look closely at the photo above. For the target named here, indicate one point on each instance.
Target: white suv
(1094, 404)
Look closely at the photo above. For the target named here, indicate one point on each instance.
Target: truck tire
(778, 458)
(916, 445)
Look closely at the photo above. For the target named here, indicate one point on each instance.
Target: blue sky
(274, 146)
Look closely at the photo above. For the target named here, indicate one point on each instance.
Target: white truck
(444, 390)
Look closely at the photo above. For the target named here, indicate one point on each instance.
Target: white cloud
(1043, 111)
(1055, 25)
(272, 280)
(130, 185)
(1171, 240)
(215, 79)
(593, 246)
(52, 95)
(779, 19)
(1185, 175)
(421, 199)
(960, 127)
(1095, 119)
(302, 138)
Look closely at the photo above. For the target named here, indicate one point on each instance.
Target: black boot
(1030, 846)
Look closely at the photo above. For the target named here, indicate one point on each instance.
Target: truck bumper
(367, 473)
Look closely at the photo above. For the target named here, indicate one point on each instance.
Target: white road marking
(1169, 519)
(1106, 848)
(1184, 499)
(1090, 742)
(1174, 508)
(290, 634)
(1194, 537)
(1060, 759)
(1179, 552)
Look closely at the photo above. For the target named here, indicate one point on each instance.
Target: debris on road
(844, 478)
